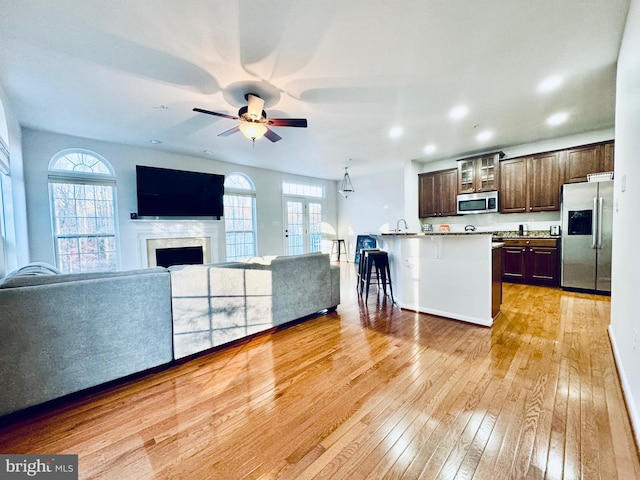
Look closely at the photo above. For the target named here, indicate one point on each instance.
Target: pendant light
(346, 187)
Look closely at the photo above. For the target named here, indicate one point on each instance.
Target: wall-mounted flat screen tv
(163, 192)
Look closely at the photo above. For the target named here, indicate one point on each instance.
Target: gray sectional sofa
(60, 334)
(216, 304)
(63, 333)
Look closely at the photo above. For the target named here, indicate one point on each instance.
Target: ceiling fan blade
(209, 112)
(226, 133)
(288, 122)
(271, 135)
(255, 106)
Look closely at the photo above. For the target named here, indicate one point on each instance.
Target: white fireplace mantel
(151, 233)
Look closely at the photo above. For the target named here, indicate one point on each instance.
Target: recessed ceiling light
(557, 118)
(459, 112)
(429, 149)
(396, 132)
(484, 135)
(155, 142)
(549, 84)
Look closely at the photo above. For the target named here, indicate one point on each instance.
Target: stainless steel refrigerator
(587, 217)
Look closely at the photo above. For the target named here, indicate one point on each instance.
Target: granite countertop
(515, 234)
(429, 234)
(497, 236)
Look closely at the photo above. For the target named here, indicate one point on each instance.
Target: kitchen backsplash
(538, 222)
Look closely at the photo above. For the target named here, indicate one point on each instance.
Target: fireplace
(166, 257)
(175, 251)
(174, 235)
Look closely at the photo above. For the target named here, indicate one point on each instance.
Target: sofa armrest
(335, 285)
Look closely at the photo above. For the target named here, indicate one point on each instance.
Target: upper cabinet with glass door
(479, 174)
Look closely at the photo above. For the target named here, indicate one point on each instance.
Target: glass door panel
(295, 226)
(303, 226)
(467, 172)
(315, 226)
(488, 173)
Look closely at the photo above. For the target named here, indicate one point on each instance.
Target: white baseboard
(626, 390)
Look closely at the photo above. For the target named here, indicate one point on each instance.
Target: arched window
(240, 216)
(82, 190)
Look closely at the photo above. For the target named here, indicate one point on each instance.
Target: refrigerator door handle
(600, 223)
(594, 224)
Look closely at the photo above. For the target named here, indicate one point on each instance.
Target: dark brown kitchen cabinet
(607, 163)
(513, 185)
(579, 162)
(543, 178)
(533, 261)
(437, 193)
(530, 184)
(496, 281)
(479, 174)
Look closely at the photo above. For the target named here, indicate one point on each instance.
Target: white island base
(449, 275)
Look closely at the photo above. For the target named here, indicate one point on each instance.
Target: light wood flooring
(368, 392)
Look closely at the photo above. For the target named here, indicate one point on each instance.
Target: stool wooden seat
(380, 261)
(339, 243)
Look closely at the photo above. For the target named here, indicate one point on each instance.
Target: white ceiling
(355, 69)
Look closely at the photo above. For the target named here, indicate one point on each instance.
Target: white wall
(39, 147)
(625, 319)
(376, 205)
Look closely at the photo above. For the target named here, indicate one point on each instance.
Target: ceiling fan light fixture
(346, 187)
(253, 130)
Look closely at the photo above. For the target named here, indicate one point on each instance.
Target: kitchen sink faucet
(406, 227)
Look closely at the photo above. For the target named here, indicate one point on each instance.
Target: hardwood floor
(371, 392)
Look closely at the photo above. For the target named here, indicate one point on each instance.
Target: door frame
(306, 222)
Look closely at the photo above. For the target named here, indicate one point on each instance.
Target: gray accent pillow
(33, 269)
(36, 268)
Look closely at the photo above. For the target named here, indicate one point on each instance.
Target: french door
(303, 225)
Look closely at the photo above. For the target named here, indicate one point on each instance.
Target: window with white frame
(82, 191)
(240, 216)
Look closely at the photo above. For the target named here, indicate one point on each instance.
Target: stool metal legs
(339, 244)
(379, 260)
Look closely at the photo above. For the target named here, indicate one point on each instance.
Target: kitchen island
(452, 275)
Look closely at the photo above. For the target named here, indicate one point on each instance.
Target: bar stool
(379, 260)
(339, 243)
(361, 269)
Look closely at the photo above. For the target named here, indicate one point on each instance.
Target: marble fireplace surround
(154, 234)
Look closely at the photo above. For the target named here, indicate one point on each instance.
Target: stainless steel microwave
(484, 202)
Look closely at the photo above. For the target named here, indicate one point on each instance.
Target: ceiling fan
(254, 122)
